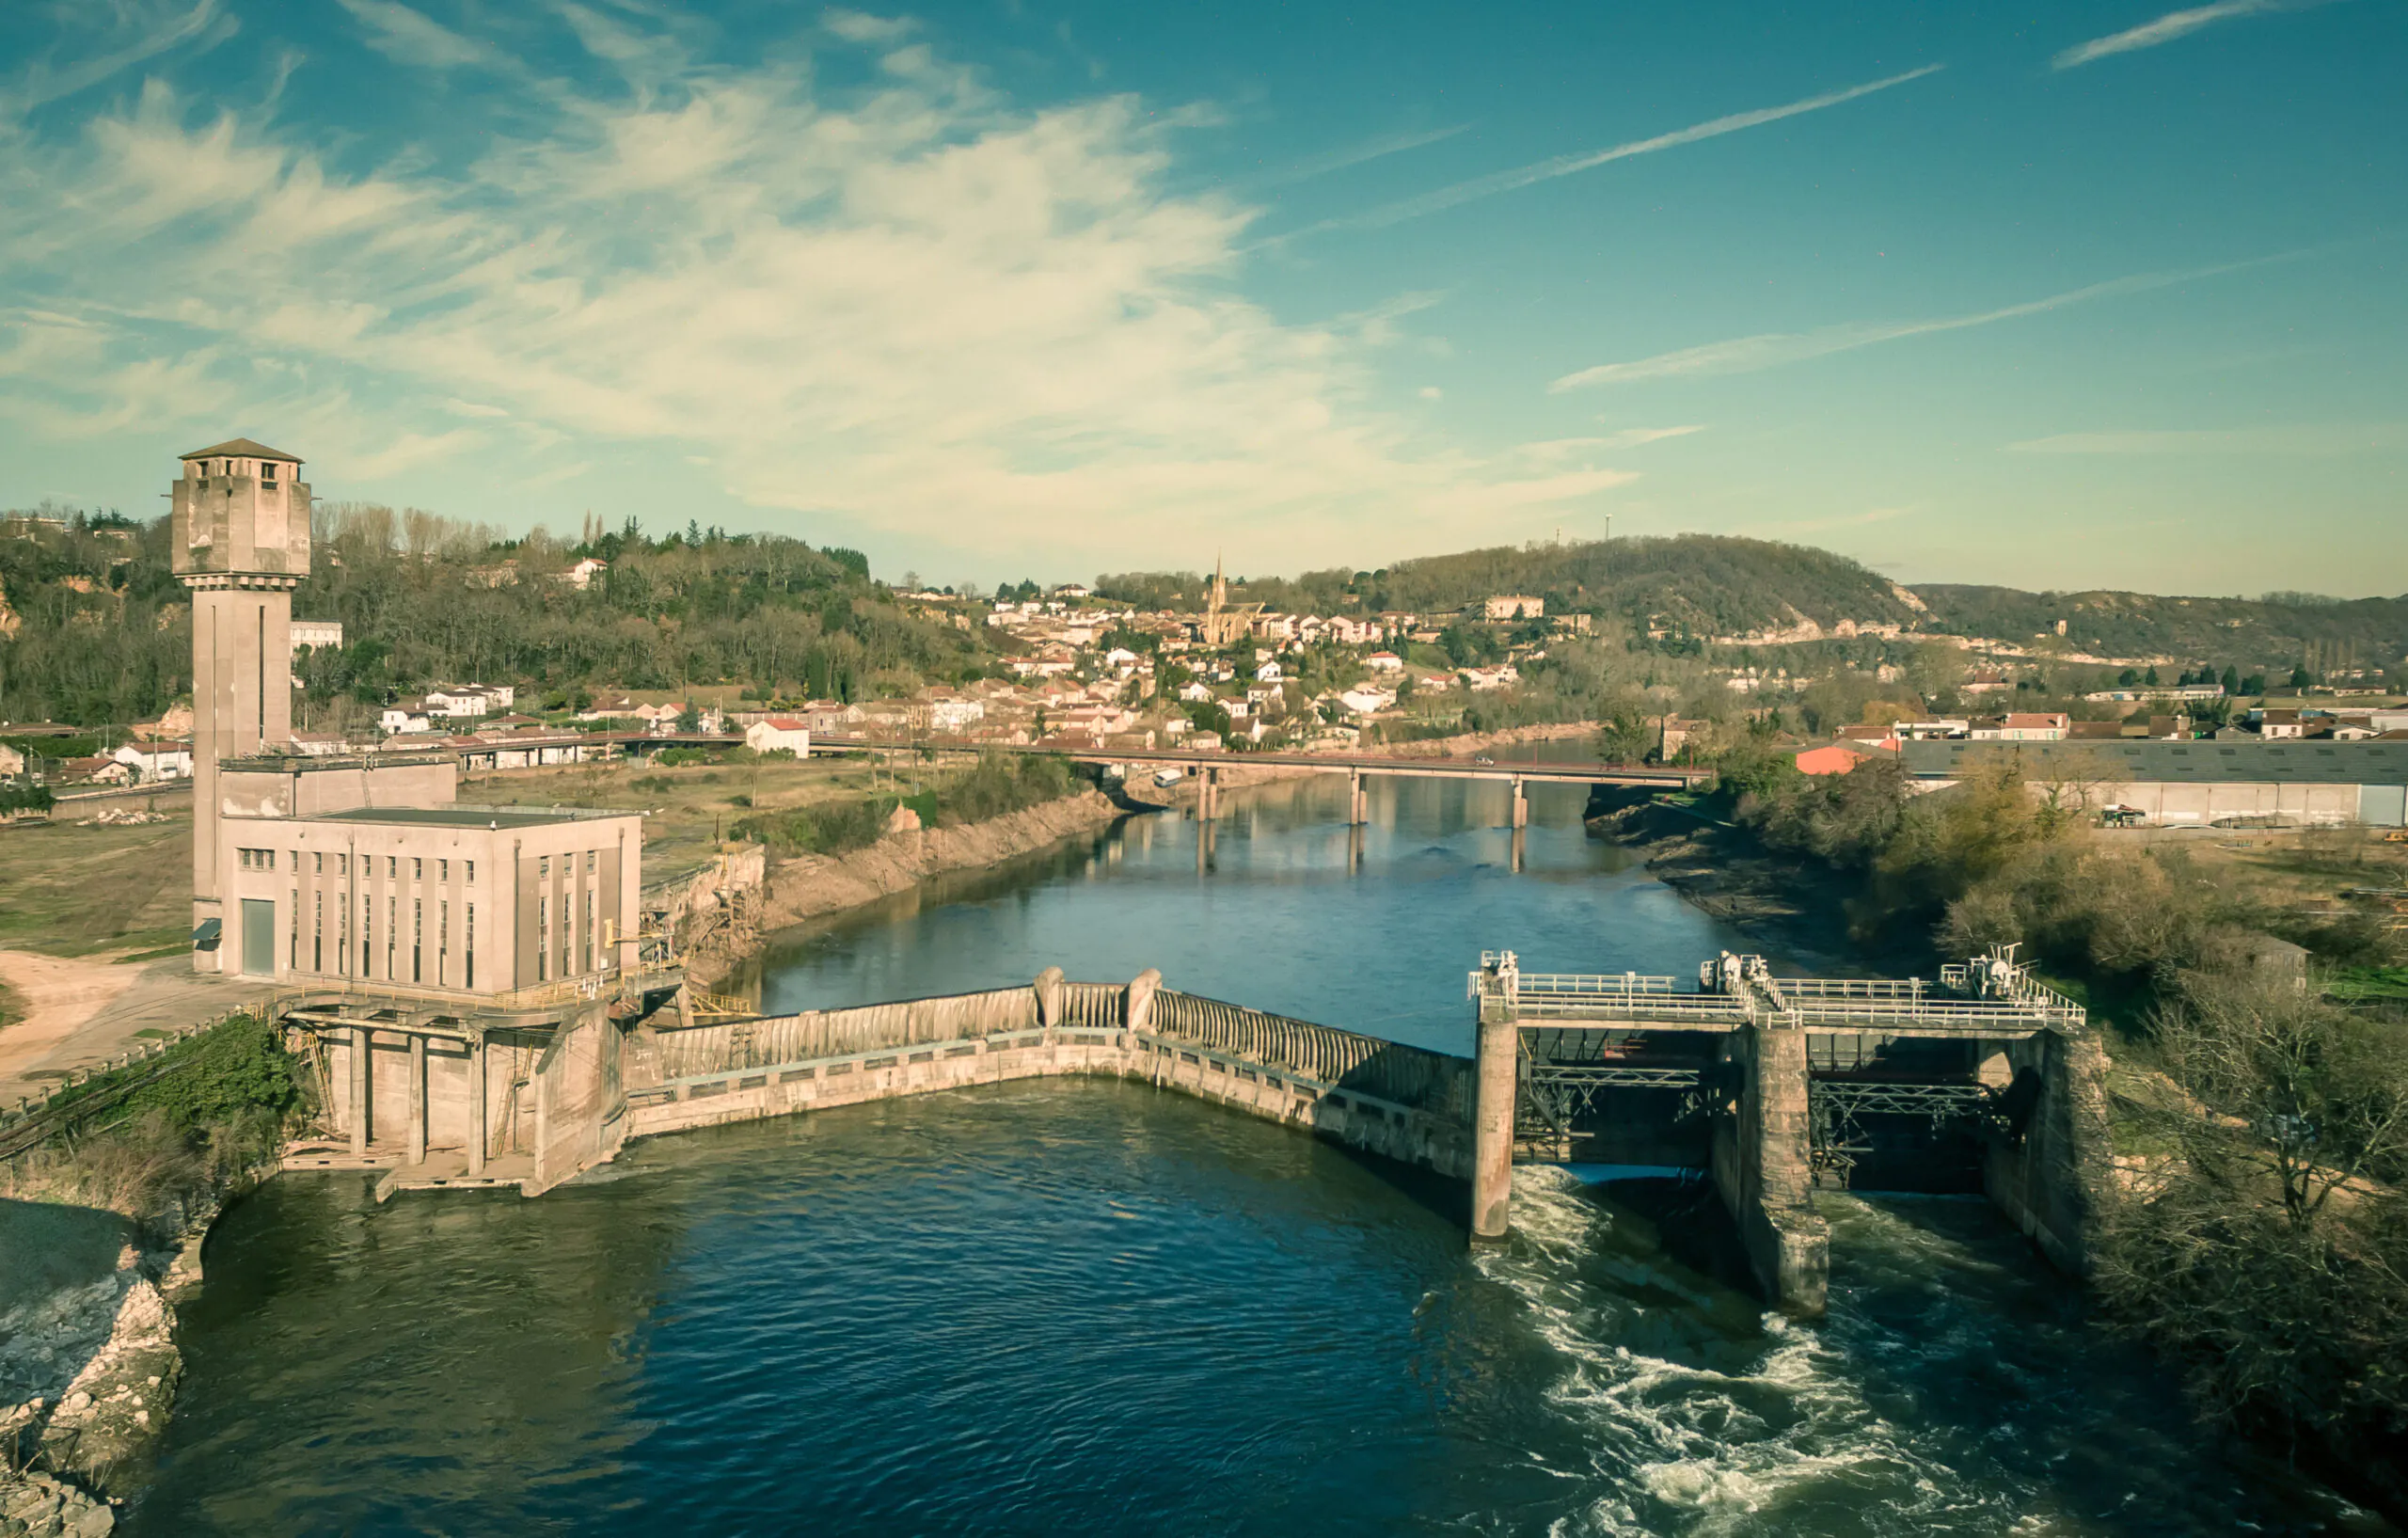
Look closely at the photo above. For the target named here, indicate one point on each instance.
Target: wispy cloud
(1357, 154)
(150, 31)
(875, 305)
(1569, 165)
(859, 26)
(1632, 438)
(2307, 439)
(410, 37)
(2172, 24)
(1746, 354)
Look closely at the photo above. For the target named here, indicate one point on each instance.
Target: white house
(1269, 673)
(581, 575)
(1385, 663)
(1195, 692)
(2022, 726)
(1363, 699)
(955, 716)
(457, 704)
(1516, 606)
(778, 731)
(153, 758)
(1500, 676)
(408, 716)
(317, 632)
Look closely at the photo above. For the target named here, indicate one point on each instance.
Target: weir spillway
(1766, 1086)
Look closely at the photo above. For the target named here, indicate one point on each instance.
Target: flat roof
(466, 816)
(304, 763)
(2201, 762)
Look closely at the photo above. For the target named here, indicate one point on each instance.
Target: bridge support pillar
(418, 1099)
(1208, 796)
(1521, 804)
(1495, 1087)
(1358, 800)
(359, 1082)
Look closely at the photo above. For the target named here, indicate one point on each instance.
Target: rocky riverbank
(1796, 909)
(88, 1362)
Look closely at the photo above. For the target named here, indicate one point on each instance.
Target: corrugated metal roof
(2305, 763)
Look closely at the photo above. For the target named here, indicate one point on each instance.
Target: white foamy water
(1954, 1388)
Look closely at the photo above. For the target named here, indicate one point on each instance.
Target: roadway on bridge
(1433, 767)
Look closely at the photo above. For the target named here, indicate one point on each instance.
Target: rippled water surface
(1070, 1306)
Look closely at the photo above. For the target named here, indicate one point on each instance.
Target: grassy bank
(163, 1137)
(70, 891)
(994, 785)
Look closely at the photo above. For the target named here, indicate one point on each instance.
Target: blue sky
(2056, 295)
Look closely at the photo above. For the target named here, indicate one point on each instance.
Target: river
(1070, 1307)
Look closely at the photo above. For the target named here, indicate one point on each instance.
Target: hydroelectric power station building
(445, 950)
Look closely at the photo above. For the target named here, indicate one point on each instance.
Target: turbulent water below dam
(1060, 1307)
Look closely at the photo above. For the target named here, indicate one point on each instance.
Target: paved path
(84, 1010)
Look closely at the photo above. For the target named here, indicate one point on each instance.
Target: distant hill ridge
(1709, 586)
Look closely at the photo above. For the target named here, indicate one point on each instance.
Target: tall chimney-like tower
(241, 538)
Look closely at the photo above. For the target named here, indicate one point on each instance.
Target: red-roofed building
(776, 731)
(1831, 758)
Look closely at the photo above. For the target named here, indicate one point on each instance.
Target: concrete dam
(1766, 1087)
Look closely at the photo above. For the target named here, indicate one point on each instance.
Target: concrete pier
(418, 1099)
(477, 1132)
(1521, 803)
(1358, 800)
(1492, 1177)
(1764, 1167)
(361, 1111)
(2048, 1170)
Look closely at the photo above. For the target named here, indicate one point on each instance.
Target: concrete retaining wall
(581, 1108)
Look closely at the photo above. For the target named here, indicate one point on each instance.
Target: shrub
(829, 828)
(1001, 782)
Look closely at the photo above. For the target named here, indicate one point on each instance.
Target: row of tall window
(575, 940)
(266, 860)
(342, 930)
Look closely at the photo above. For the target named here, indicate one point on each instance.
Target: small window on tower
(267, 469)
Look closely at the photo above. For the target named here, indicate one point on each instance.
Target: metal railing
(1983, 996)
(1666, 1008)
(32, 1121)
(1851, 988)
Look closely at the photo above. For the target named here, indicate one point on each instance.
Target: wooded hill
(95, 628)
(2260, 635)
(1698, 586)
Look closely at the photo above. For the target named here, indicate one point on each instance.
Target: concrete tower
(241, 538)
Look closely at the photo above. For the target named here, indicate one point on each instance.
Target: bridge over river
(1208, 766)
(1765, 1086)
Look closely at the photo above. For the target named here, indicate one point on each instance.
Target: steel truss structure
(1555, 1095)
(1834, 1106)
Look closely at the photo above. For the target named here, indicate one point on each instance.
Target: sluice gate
(1982, 1080)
